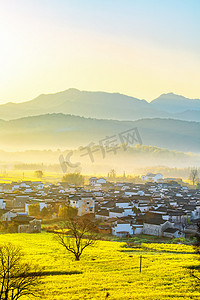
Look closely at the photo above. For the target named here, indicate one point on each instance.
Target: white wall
(123, 205)
(122, 227)
(128, 212)
(7, 216)
(138, 229)
(115, 214)
(152, 229)
(86, 206)
(2, 204)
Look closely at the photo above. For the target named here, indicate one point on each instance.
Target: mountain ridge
(102, 105)
(67, 131)
(173, 103)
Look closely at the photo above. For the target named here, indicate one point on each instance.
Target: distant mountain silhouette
(104, 105)
(54, 131)
(175, 104)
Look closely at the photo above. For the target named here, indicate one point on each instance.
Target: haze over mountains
(103, 105)
(53, 131)
(73, 118)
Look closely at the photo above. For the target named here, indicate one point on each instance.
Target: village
(156, 207)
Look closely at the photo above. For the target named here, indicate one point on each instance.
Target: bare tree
(77, 234)
(112, 174)
(194, 175)
(17, 278)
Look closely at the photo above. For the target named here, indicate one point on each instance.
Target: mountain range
(103, 105)
(53, 131)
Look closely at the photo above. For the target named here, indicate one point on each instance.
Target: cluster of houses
(156, 208)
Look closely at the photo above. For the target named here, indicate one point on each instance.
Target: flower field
(170, 248)
(110, 269)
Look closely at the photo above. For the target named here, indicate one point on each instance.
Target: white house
(93, 180)
(124, 188)
(195, 214)
(38, 185)
(152, 177)
(123, 204)
(122, 228)
(84, 204)
(173, 233)
(144, 207)
(137, 229)
(25, 184)
(97, 181)
(7, 216)
(28, 190)
(116, 212)
(140, 193)
(101, 181)
(128, 212)
(130, 193)
(15, 186)
(2, 204)
(70, 190)
(156, 227)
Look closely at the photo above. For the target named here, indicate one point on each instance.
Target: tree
(67, 212)
(194, 175)
(80, 235)
(45, 212)
(17, 278)
(39, 173)
(34, 209)
(74, 178)
(112, 174)
(136, 210)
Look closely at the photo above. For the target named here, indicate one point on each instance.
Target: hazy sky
(142, 48)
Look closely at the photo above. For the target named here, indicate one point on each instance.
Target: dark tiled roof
(117, 210)
(171, 230)
(155, 221)
(3, 211)
(109, 204)
(22, 219)
(176, 212)
(189, 207)
(162, 209)
(103, 212)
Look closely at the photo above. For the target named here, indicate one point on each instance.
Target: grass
(108, 270)
(28, 175)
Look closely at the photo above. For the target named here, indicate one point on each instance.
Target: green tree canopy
(34, 209)
(67, 212)
(39, 173)
(74, 178)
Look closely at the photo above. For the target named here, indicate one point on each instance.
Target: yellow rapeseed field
(109, 270)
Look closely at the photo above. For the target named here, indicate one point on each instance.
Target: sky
(142, 48)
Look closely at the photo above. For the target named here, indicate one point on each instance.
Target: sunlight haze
(142, 49)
